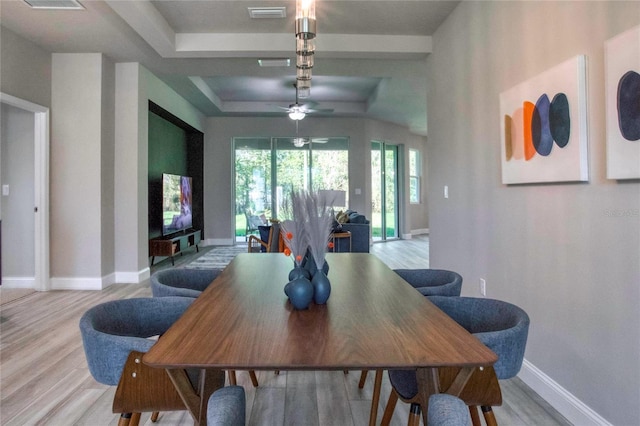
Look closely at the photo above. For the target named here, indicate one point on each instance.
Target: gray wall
(18, 229)
(218, 180)
(25, 69)
(82, 171)
(552, 249)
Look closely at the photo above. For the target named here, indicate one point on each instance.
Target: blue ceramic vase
(297, 272)
(321, 287)
(300, 293)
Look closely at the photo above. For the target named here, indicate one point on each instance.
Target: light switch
(446, 191)
(5, 190)
(358, 191)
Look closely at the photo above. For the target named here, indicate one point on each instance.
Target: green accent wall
(176, 148)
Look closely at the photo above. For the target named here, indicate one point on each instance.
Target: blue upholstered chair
(433, 282)
(501, 326)
(227, 407)
(115, 335)
(447, 410)
(182, 282)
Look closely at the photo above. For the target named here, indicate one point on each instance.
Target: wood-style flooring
(44, 379)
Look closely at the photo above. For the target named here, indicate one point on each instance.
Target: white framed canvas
(622, 86)
(543, 127)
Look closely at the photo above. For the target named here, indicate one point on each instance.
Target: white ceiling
(370, 54)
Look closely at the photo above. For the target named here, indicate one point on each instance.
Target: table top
(373, 319)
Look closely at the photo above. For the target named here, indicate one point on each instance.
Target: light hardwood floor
(44, 378)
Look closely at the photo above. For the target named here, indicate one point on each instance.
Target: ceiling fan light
(296, 115)
(298, 142)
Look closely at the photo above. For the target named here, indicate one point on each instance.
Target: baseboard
(18, 282)
(574, 410)
(132, 277)
(69, 283)
(219, 242)
(419, 231)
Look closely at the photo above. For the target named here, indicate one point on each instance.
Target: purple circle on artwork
(540, 131)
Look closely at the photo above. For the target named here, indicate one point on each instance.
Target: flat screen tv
(176, 203)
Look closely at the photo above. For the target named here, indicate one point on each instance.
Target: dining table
(373, 320)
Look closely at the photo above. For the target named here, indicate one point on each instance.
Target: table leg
(375, 399)
(196, 400)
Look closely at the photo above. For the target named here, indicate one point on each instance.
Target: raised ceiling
(370, 59)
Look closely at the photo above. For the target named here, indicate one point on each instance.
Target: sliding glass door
(268, 169)
(384, 191)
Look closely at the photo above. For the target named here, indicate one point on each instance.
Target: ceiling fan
(299, 142)
(298, 111)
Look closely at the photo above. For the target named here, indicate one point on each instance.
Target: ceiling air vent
(267, 12)
(54, 4)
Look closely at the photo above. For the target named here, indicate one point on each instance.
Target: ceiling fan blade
(326, 110)
(319, 140)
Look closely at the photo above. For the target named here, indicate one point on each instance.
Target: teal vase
(300, 293)
(321, 287)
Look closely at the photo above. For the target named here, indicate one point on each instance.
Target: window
(267, 169)
(414, 176)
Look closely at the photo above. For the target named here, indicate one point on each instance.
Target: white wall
(218, 154)
(551, 249)
(17, 214)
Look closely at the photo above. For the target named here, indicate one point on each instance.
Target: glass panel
(292, 169)
(252, 184)
(330, 166)
(376, 190)
(390, 183)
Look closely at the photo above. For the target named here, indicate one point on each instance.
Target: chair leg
(489, 417)
(154, 416)
(124, 420)
(375, 399)
(475, 417)
(363, 378)
(232, 377)
(414, 415)
(254, 379)
(135, 419)
(388, 410)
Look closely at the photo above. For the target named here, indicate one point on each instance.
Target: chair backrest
(227, 407)
(447, 410)
(433, 282)
(111, 330)
(501, 326)
(182, 282)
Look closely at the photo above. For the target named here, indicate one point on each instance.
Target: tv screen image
(176, 203)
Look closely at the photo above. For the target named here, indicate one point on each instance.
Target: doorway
(384, 191)
(37, 232)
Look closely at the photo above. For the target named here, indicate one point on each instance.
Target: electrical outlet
(483, 287)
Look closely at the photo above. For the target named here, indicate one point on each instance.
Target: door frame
(42, 281)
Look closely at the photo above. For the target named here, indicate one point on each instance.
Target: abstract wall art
(622, 85)
(544, 127)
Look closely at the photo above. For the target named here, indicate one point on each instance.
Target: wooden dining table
(372, 320)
